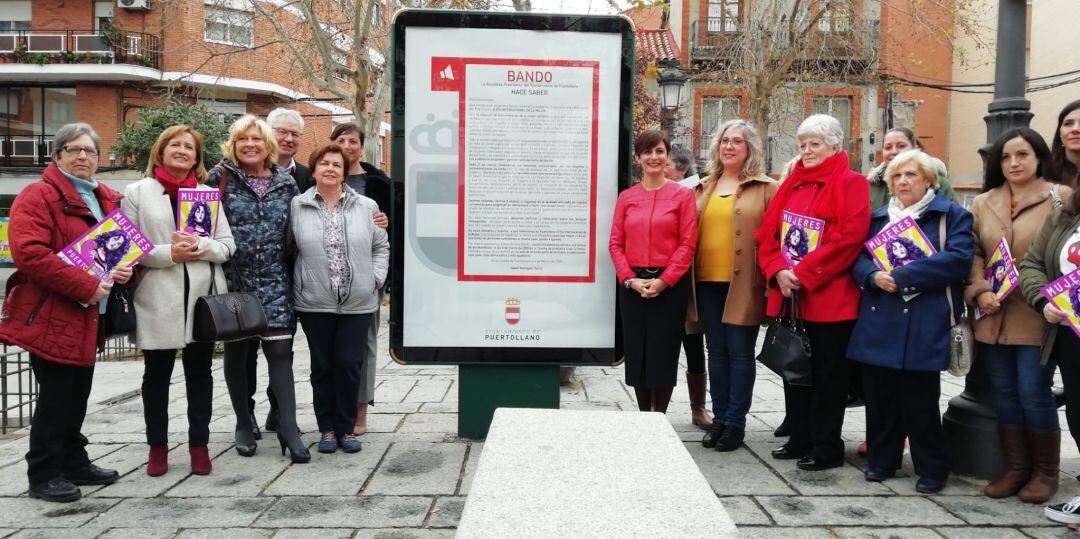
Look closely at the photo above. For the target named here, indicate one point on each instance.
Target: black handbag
(787, 348)
(119, 317)
(232, 316)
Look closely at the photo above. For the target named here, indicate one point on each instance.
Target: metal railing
(18, 387)
(854, 39)
(111, 46)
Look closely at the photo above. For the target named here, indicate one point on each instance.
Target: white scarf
(896, 212)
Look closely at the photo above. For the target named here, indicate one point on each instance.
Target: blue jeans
(1022, 387)
(731, 356)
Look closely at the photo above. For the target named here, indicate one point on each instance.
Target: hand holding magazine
(898, 245)
(1001, 272)
(1064, 293)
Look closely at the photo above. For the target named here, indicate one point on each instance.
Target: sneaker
(328, 443)
(1065, 513)
(350, 444)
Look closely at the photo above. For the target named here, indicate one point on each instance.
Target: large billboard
(511, 140)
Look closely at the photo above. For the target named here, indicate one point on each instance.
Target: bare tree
(779, 48)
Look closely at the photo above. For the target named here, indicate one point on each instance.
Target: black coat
(302, 175)
(373, 183)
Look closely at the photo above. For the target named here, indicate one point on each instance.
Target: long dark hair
(804, 241)
(1063, 170)
(112, 257)
(995, 177)
(206, 222)
(1074, 298)
(913, 252)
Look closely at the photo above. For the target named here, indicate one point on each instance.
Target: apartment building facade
(856, 53)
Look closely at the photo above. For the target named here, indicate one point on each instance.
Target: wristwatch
(627, 282)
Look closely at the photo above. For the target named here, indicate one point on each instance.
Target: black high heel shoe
(299, 455)
(245, 442)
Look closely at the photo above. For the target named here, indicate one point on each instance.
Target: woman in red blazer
(653, 237)
(821, 186)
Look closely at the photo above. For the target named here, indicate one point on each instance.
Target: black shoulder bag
(787, 348)
(231, 316)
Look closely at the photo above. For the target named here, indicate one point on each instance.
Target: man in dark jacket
(373, 183)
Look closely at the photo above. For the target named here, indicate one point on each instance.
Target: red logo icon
(513, 311)
(1074, 253)
(446, 74)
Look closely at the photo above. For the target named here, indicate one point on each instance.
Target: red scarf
(833, 166)
(171, 184)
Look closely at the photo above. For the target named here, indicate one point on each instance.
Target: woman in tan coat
(1015, 203)
(730, 288)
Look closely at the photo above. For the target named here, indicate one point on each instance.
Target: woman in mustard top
(730, 288)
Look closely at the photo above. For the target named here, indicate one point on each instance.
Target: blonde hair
(923, 162)
(755, 154)
(157, 152)
(239, 127)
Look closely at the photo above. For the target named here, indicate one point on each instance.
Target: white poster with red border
(511, 159)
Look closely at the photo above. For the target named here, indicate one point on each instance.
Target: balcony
(103, 47)
(831, 42)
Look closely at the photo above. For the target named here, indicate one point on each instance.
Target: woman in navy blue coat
(904, 344)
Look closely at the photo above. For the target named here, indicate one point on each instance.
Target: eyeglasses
(76, 150)
(733, 142)
(287, 133)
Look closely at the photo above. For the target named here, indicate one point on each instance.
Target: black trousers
(334, 340)
(57, 445)
(1066, 352)
(693, 344)
(815, 415)
(157, 372)
(904, 404)
(253, 381)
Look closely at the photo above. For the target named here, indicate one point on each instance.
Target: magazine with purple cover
(899, 244)
(113, 242)
(1001, 273)
(197, 211)
(799, 235)
(1065, 294)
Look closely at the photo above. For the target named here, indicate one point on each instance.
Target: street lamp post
(671, 82)
(970, 423)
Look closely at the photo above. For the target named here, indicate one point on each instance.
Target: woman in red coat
(821, 187)
(52, 310)
(653, 237)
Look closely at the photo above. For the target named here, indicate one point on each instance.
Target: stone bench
(570, 473)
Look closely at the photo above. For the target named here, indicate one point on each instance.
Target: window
(724, 15)
(103, 14)
(230, 27)
(14, 15)
(715, 111)
(341, 59)
(838, 107)
(228, 111)
(837, 19)
(29, 118)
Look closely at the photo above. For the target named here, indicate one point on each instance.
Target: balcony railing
(852, 40)
(110, 46)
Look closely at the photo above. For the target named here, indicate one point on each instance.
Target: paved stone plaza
(413, 475)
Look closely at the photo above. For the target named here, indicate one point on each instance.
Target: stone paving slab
(882, 533)
(980, 510)
(418, 468)
(137, 484)
(68, 533)
(347, 511)
(1058, 532)
(234, 475)
(845, 480)
(470, 467)
(744, 511)
(982, 533)
(141, 533)
(30, 513)
(404, 534)
(856, 511)
(320, 533)
(430, 423)
(231, 533)
(757, 532)
(447, 512)
(333, 474)
(204, 512)
(738, 472)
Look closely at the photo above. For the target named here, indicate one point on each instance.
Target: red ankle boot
(200, 460)
(159, 461)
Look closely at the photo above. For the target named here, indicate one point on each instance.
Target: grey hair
(824, 126)
(70, 132)
(683, 158)
(755, 153)
(282, 113)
